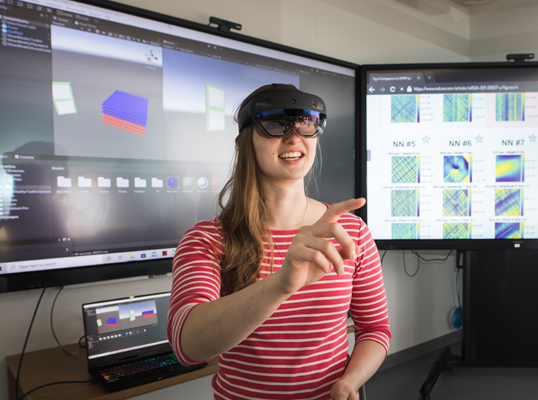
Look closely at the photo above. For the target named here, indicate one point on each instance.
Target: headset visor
(279, 123)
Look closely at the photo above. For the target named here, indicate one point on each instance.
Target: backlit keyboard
(136, 367)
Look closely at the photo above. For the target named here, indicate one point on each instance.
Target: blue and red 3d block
(147, 314)
(126, 111)
(113, 321)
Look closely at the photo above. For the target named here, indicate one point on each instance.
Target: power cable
(383, 256)
(53, 383)
(405, 267)
(24, 349)
(26, 342)
(415, 252)
(74, 354)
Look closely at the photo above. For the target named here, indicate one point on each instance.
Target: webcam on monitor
(224, 25)
(520, 57)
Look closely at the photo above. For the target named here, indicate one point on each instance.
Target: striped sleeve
(196, 278)
(368, 307)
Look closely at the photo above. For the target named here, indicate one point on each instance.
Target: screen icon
(139, 182)
(156, 183)
(188, 182)
(121, 182)
(103, 182)
(64, 182)
(203, 182)
(84, 182)
(172, 182)
(216, 183)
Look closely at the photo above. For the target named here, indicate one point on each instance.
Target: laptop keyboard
(139, 369)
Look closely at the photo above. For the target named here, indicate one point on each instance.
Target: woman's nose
(293, 136)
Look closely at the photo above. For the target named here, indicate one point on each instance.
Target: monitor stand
(500, 299)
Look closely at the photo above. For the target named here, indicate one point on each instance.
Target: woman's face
(284, 159)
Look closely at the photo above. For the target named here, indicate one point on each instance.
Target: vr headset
(277, 111)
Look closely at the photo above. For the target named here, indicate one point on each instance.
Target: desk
(52, 365)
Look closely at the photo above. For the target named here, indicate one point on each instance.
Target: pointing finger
(334, 212)
(336, 231)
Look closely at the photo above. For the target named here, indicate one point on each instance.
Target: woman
(262, 286)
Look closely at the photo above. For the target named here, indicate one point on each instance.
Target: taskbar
(85, 260)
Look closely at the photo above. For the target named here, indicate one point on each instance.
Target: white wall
(360, 31)
(496, 33)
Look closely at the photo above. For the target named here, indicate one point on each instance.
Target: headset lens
(278, 123)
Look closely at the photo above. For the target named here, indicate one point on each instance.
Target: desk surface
(53, 365)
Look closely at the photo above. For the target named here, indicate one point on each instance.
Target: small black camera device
(520, 57)
(224, 25)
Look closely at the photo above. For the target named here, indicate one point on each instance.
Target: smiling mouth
(293, 155)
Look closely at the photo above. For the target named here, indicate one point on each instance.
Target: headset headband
(280, 97)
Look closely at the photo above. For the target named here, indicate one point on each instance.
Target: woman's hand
(311, 256)
(342, 390)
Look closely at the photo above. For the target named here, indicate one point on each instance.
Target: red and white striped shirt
(302, 349)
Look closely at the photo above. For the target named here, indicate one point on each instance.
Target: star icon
(479, 139)
(425, 139)
(532, 138)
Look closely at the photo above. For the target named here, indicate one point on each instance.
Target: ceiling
(478, 6)
(467, 6)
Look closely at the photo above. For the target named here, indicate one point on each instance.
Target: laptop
(127, 344)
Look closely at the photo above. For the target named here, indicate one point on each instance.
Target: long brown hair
(243, 215)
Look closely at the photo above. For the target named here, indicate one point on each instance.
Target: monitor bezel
(150, 268)
(426, 244)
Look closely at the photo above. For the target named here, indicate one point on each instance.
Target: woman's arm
(213, 327)
(370, 317)
(365, 360)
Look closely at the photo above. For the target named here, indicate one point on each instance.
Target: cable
(458, 287)
(53, 383)
(405, 268)
(26, 342)
(456, 318)
(383, 256)
(420, 258)
(457, 314)
(415, 252)
(74, 354)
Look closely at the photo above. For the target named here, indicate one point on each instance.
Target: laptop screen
(114, 327)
